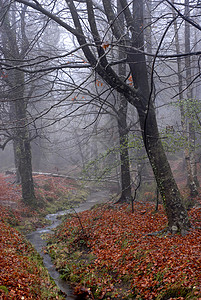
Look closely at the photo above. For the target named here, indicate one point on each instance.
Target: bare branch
(187, 19)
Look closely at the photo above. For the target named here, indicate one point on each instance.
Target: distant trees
(187, 100)
(190, 159)
(102, 42)
(84, 25)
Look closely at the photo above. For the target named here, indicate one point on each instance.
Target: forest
(100, 149)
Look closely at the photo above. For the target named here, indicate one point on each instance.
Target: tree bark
(173, 204)
(176, 213)
(23, 147)
(124, 153)
(16, 160)
(12, 118)
(16, 82)
(123, 130)
(21, 140)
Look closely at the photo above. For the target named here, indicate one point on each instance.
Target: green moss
(175, 292)
(4, 288)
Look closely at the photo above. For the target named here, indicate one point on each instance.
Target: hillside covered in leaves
(107, 252)
(22, 275)
(116, 256)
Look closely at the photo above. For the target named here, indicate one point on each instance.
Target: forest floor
(106, 252)
(22, 275)
(113, 256)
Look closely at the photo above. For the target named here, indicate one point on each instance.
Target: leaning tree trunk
(172, 200)
(140, 98)
(175, 210)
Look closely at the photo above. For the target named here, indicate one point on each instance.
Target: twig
(135, 192)
(79, 219)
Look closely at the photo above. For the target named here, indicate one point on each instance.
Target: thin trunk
(191, 136)
(95, 147)
(12, 117)
(157, 199)
(193, 156)
(148, 32)
(17, 163)
(78, 142)
(123, 132)
(124, 153)
(184, 122)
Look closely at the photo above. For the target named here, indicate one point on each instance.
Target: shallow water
(39, 243)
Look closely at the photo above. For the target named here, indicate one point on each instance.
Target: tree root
(167, 232)
(157, 233)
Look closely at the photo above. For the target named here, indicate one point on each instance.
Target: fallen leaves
(123, 250)
(114, 258)
(20, 275)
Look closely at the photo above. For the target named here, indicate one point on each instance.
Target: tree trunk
(80, 147)
(172, 201)
(16, 160)
(16, 83)
(123, 131)
(23, 150)
(12, 117)
(192, 179)
(124, 153)
(173, 204)
(193, 156)
(95, 148)
(25, 168)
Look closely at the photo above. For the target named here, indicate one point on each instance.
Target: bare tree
(97, 53)
(192, 179)
(188, 129)
(11, 51)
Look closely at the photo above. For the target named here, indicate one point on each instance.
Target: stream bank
(95, 197)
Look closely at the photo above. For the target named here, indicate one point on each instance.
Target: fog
(71, 112)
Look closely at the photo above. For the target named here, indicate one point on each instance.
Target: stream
(38, 243)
